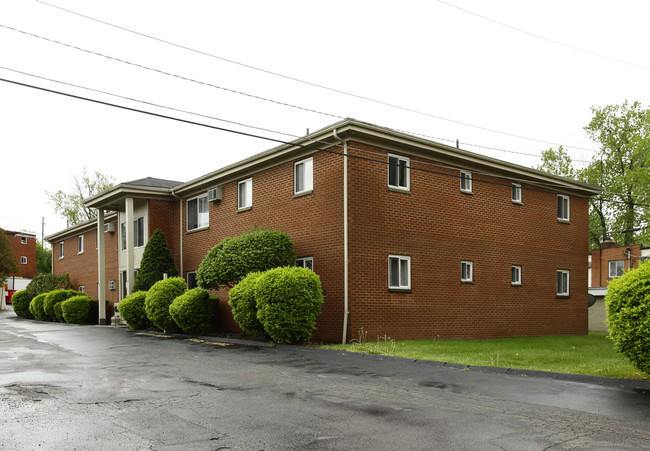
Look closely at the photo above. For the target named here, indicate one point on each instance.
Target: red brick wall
(23, 250)
(438, 227)
(600, 259)
(313, 221)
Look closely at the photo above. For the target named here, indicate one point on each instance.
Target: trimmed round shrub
(36, 306)
(20, 301)
(628, 315)
(288, 302)
(76, 309)
(159, 298)
(194, 310)
(58, 313)
(244, 307)
(131, 308)
(56, 297)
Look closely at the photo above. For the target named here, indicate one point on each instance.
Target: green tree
(70, 205)
(233, 258)
(8, 261)
(43, 259)
(620, 166)
(44, 283)
(156, 261)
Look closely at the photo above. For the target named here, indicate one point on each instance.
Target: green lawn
(592, 354)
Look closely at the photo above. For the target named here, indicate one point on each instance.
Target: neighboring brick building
(607, 263)
(411, 238)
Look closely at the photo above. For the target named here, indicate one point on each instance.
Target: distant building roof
(153, 183)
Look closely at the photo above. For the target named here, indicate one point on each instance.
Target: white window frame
(516, 193)
(80, 244)
(138, 238)
(81, 289)
(515, 275)
(202, 219)
(401, 182)
(562, 286)
(303, 176)
(61, 249)
(305, 262)
(23, 240)
(467, 271)
(23, 260)
(618, 264)
(403, 262)
(563, 207)
(245, 201)
(466, 182)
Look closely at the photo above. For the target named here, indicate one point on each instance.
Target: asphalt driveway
(103, 387)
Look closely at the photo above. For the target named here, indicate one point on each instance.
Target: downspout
(345, 239)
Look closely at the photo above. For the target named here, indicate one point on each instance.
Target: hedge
(36, 306)
(131, 308)
(20, 302)
(244, 307)
(76, 309)
(159, 298)
(194, 310)
(628, 315)
(56, 297)
(288, 302)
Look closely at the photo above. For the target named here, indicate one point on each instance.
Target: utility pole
(43, 231)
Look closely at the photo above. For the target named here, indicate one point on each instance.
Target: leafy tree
(70, 205)
(233, 258)
(43, 259)
(8, 261)
(44, 283)
(156, 261)
(620, 167)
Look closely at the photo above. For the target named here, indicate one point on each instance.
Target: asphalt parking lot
(103, 387)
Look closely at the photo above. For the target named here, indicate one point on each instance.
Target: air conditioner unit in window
(111, 284)
(109, 227)
(215, 194)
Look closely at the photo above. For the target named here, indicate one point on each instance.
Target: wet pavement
(102, 387)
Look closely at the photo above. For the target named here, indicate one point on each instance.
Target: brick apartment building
(411, 238)
(23, 245)
(605, 264)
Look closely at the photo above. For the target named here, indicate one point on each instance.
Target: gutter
(346, 297)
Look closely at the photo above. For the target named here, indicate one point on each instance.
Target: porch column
(129, 246)
(101, 267)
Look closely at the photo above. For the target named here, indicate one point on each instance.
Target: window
(191, 280)
(399, 172)
(245, 194)
(562, 282)
(516, 193)
(81, 289)
(616, 268)
(399, 272)
(304, 176)
(23, 260)
(516, 275)
(305, 262)
(23, 240)
(61, 249)
(138, 232)
(80, 244)
(466, 272)
(198, 215)
(123, 235)
(562, 207)
(466, 181)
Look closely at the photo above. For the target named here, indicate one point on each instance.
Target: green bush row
(282, 303)
(55, 306)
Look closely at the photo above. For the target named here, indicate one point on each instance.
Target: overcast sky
(510, 75)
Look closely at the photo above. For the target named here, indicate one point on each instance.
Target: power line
(279, 141)
(316, 85)
(543, 38)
